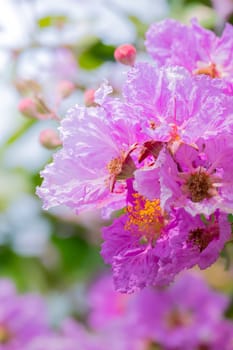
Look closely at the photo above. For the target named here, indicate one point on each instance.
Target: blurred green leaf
(229, 311)
(27, 272)
(140, 26)
(19, 132)
(230, 218)
(79, 258)
(96, 55)
(52, 20)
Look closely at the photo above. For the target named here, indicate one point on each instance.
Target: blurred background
(58, 50)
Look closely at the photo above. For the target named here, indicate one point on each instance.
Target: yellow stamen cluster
(147, 217)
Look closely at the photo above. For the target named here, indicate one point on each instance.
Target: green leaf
(140, 26)
(230, 218)
(78, 257)
(96, 55)
(27, 272)
(17, 134)
(52, 20)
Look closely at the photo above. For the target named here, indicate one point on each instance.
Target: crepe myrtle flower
(106, 305)
(114, 336)
(196, 240)
(197, 49)
(136, 246)
(55, 342)
(149, 246)
(186, 315)
(175, 108)
(199, 180)
(94, 162)
(22, 318)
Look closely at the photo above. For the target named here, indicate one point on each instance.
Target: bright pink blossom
(91, 168)
(197, 49)
(199, 180)
(184, 316)
(174, 107)
(22, 318)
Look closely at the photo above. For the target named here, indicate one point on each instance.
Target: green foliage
(230, 218)
(21, 269)
(78, 259)
(24, 127)
(95, 55)
(229, 311)
(52, 21)
(139, 25)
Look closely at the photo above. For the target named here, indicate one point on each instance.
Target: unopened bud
(27, 86)
(89, 97)
(65, 88)
(28, 108)
(49, 139)
(36, 108)
(125, 54)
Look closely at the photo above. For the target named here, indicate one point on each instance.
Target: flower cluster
(163, 319)
(162, 152)
(22, 318)
(143, 321)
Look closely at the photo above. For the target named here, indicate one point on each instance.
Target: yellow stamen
(147, 217)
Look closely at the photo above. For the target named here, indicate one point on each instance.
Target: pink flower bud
(49, 139)
(89, 97)
(125, 54)
(36, 108)
(28, 108)
(65, 88)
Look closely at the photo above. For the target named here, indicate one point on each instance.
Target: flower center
(153, 346)
(177, 318)
(147, 217)
(120, 168)
(114, 166)
(201, 237)
(4, 335)
(198, 186)
(210, 70)
(204, 347)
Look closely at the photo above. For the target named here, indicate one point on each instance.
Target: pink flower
(22, 318)
(199, 180)
(174, 107)
(197, 49)
(224, 8)
(91, 168)
(195, 242)
(106, 305)
(136, 245)
(148, 246)
(184, 316)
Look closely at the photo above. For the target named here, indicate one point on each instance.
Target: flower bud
(28, 108)
(49, 139)
(89, 97)
(65, 88)
(125, 54)
(36, 108)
